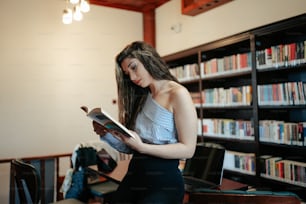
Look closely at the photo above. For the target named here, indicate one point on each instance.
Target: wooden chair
(28, 183)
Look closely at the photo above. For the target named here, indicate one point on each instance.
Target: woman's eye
(134, 67)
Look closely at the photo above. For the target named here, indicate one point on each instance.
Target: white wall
(231, 18)
(48, 70)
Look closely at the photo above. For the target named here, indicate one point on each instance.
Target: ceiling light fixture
(74, 1)
(67, 16)
(84, 5)
(76, 13)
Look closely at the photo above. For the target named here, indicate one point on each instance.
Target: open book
(103, 118)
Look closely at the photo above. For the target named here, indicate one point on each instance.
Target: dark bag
(105, 162)
(86, 156)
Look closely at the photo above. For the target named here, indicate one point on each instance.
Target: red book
(268, 55)
(280, 168)
(292, 51)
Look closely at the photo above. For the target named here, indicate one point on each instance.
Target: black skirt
(151, 180)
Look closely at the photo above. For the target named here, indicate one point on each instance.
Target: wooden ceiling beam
(115, 5)
(131, 5)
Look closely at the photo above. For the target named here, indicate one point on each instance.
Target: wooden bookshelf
(195, 7)
(271, 59)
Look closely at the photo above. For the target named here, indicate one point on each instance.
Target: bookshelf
(250, 94)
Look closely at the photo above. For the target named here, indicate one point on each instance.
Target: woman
(161, 115)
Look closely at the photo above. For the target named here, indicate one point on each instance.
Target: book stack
(233, 96)
(285, 170)
(186, 72)
(226, 64)
(228, 128)
(282, 132)
(289, 93)
(282, 55)
(240, 162)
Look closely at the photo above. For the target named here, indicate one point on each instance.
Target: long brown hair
(131, 97)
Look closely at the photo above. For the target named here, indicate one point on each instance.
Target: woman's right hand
(99, 129)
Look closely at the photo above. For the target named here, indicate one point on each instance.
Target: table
(119, 172)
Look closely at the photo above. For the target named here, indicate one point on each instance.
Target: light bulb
(84, 5)
(77, 14)
(67, 16)
(74, 1)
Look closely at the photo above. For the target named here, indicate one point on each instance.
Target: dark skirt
(151, 180)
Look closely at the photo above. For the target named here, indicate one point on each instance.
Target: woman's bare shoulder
(179, 94)
(178, 90)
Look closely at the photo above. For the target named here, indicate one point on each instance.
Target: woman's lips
(137, 82)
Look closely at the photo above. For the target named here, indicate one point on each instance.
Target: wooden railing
(41, 160)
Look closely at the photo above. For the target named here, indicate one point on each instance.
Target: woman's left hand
(133, 142)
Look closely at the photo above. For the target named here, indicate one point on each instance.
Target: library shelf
(270, 61)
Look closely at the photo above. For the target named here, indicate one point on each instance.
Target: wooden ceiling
(132, 5)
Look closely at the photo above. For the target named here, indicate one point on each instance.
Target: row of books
(240, 162)
(290, 54)
(289, 93)
(186, 72)
(282, 132)
(283, 169)
(228, 128)
(228, 64)
(232, 96)
(225, 64)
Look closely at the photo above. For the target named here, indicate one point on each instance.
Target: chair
(28, 183)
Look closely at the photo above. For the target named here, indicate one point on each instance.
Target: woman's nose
(132, 76)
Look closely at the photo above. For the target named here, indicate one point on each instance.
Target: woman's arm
(116, 143)
(110, 139)
(185, 117)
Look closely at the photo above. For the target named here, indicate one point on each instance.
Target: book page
(103, 118)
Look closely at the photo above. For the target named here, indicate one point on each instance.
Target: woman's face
(136, 71)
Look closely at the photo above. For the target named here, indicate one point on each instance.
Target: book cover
(103, 118)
